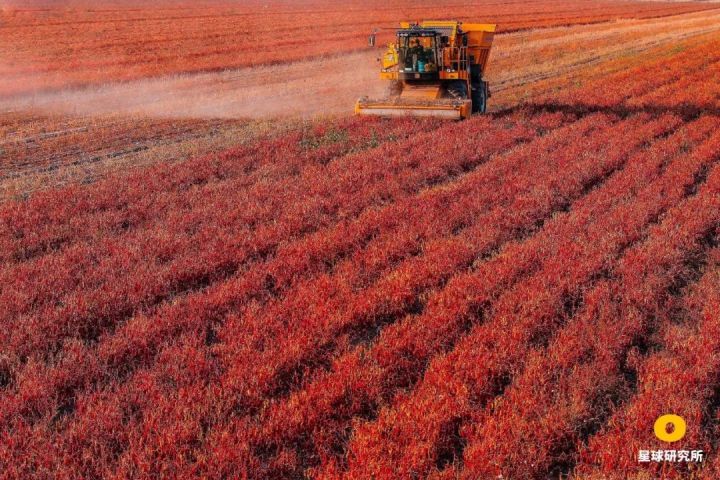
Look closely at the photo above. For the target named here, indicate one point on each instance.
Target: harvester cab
(434, 68)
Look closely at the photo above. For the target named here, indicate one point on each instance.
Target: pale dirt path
(331, 85)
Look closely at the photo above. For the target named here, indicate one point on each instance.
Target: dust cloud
(323, 86)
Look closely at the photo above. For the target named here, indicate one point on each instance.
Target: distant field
(56, 44)
(55, 138)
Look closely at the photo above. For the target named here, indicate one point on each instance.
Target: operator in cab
(417, 49)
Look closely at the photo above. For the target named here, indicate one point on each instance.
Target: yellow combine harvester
(435, 69)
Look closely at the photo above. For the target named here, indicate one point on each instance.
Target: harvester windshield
(418, 53)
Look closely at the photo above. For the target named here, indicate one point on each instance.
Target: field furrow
(588, 366)
(308, 256)
(371, 374)
(479, 367)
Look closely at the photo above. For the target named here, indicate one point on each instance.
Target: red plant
(140, 40)
(379, 299)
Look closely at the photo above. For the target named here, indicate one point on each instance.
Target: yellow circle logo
(677, 424)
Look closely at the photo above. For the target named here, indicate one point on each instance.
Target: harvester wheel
(479, 97)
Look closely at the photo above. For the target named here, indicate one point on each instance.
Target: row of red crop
(516, 257)
(294, 261)
(396, 356)
(71, 370)
(527, 157)
(460, 383)
(663, 75)
(680, 378)
(80, 291)
(698, 351)
(266, 372)
(52, 220)
(694, 89)
(567, 389)
(322, 315)
(559, 175)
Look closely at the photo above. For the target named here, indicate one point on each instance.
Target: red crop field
(518, 295)
(123, 40)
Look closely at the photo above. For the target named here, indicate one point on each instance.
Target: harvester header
(434, 68)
